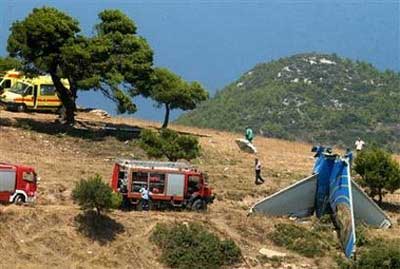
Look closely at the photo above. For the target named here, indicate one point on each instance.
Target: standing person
(249, 134)
(145, 197)
(359, 144)
(258, 172)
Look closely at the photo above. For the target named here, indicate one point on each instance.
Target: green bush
(378, 171)
(170, 144)
(309, 243)
(380, 254)
(93, 193)
(192, 246)
(376, 254)
(361, 236)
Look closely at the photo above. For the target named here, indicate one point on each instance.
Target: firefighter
(249, 135)
(259, 179)
(146, 194)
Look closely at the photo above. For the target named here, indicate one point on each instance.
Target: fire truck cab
(171, 184)
(18, 184)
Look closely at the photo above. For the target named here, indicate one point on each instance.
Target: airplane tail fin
(295, 200)
(366, 210)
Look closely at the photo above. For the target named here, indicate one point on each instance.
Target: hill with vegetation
(312, 97)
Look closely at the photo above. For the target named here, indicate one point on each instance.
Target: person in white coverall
(145, 197)
(259, 179)
(359, 144)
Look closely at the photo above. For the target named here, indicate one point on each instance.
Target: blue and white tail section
(329, 190)
(341, 203)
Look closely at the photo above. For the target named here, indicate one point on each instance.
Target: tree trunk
(67, 97)
(166, 118)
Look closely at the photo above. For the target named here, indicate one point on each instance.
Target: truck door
(194, 184)
(29, 99)
(176, 184)
(7, 184)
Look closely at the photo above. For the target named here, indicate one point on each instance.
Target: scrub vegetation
(314, 242)
(93, 193)
(191, 245)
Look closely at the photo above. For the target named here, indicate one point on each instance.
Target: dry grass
(46, 235)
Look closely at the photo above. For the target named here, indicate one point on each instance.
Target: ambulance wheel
(21, 108)
(19, 199)
(199, 205)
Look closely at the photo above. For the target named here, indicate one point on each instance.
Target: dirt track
(52, 233)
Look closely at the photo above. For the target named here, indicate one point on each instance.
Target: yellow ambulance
(8, 79)
(38, 93)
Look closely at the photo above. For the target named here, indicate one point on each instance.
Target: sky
(214, 42)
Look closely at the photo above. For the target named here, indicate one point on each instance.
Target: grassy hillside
(311, 97)
(50, 234)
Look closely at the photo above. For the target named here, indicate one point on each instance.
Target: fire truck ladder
(152, 164)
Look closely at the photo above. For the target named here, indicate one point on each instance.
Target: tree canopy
(378, 171)
(93, 193)
(7, 63)
(115, 60)
(170, 144)
(172, 91)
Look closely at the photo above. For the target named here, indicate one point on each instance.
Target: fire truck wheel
(19, 199)
(199, 205)
(21, 108)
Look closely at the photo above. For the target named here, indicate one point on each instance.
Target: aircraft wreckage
(329, 190)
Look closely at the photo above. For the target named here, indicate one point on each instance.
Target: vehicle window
(29, 176)
(5, 84)
(157, 183)
(19, 87)
(47, 90)
(193, 183)
(139, 180)
(29, 91)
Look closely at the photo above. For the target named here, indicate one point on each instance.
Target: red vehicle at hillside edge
(171, 184)
(18, 183)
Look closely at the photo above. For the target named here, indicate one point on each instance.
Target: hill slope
(312, 97)
(48, 234)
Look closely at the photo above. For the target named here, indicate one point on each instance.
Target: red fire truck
(171, 184)
(18, 183)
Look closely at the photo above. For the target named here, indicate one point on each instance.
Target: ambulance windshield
(19, 87)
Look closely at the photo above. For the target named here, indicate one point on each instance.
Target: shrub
(170, 144)
(192, 246)
(375, 254)
(94, 193)
(380, 254)
(378, 171)
(306, 242)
